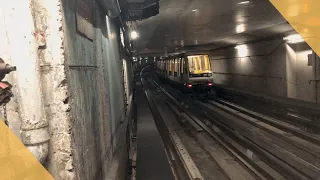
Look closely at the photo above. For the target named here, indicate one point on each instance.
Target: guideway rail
(226, 143)
(182, 165)
(228, 123)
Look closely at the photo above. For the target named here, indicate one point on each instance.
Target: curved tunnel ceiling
(208, 24)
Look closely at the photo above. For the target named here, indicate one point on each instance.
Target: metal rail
(285, 169)
(257, 171)
(292, 167)
(281, 102)
(171, 141)
(291, 116)
(269, 120)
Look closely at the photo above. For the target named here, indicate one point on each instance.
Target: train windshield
(199, 64)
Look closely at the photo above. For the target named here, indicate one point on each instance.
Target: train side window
(169, 64)
(181, 65)
(178, 66)
(175, 67)
(185, 62)
(168, 67)
(172, 67)
(163, 65)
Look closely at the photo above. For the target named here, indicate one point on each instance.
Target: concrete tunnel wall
(270, 67)
(76, 84)
(96, 92)
(32, 40)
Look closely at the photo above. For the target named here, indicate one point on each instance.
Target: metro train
(190, 72)
(139, 63)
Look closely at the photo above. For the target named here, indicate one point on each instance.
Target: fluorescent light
(134, 35)
(295, 38)
(194, 10)
(244, 2)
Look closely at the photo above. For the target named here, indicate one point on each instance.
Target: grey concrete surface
(152, 162)
(270, 67)
(68, 85)
(96, 92)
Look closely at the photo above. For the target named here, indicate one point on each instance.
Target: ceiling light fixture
(194, 10)
(244, 2)
(134, 35)
(295, 38)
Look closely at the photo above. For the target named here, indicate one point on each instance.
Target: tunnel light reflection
(182, 43)
(244, 2)
(242, 50)
(240, 28)
(295, 38)
(241, 46)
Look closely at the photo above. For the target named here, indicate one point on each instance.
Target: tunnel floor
(222, 138)
(152, 163)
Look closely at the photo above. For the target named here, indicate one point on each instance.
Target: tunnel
(160, 89)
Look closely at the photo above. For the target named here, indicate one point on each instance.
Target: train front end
(200, 77)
